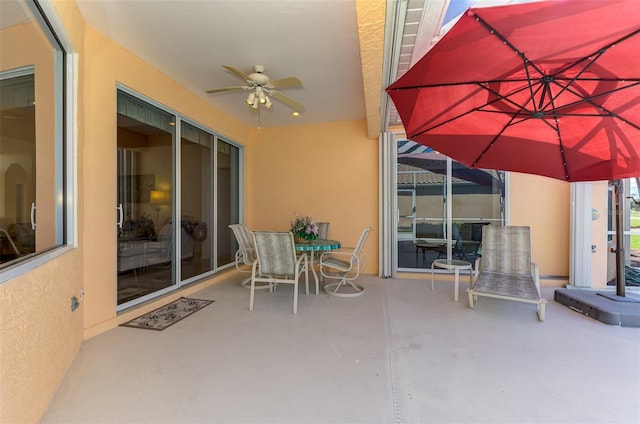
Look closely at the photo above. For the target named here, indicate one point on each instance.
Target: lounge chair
(505, 270)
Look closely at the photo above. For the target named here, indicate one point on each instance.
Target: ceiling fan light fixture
(255, 103)
(295, 113)
(267, 103)
(251, 99)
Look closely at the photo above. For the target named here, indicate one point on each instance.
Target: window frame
(65, 135)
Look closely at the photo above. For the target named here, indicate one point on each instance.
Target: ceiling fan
(262, 87)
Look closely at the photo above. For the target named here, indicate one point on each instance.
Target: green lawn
(635, 218)
(635, 242)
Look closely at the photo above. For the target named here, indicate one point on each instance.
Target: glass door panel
(423, 175)
(406, 214)
(477, 200)
(631, 233)
(196, 235)
(145, 247)
(228, 207)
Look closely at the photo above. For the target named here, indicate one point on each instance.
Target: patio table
(456, 266)
(318, 245)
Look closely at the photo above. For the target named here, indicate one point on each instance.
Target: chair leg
(333, 289)
(253, 287)
(471, 305)
(295, 297)
(306, 273)
(541, 308)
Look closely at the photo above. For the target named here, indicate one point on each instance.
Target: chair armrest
(339, 260)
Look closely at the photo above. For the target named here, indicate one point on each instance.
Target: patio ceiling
(335, 47)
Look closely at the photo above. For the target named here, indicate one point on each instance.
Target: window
(33, 90)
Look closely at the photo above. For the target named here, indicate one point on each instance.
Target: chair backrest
(363, 239)
(276, 252)
(506, 249)
(323, 230)
(245, 242)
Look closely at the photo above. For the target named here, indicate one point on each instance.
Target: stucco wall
(328, 171)
(39, 334)
(543, 204)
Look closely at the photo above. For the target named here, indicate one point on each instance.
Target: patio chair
(323, 230)
(344, 265)
(246, 253)
(277, 263)
(505, 270)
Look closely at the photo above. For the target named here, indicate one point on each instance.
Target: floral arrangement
(139, 228)
(304, 228)
(196, 229)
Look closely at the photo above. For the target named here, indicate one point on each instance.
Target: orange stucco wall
(328, 171)
(544, 205)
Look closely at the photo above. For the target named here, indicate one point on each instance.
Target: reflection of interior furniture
(246, 253)
(434, 245)
(158, 198)
(312, 246)
(456, 266)
(345, 266)
(426, 230)
(505, 270)
(136, 253)
(277, 263)
(13, 249)
(16, 240)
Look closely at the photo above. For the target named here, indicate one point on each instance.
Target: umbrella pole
(620, 275)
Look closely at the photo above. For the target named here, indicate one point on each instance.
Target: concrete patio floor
(400, 353)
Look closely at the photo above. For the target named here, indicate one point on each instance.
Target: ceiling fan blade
(286, 82)
(221, 90)
(298, 107)
(237, 72)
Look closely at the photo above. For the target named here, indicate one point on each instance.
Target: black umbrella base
(606, 307)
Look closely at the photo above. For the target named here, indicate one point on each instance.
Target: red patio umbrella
(549, 88)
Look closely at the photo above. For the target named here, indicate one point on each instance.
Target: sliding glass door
(196, 181)
(451, 204)
(175, 200)
(145, 248)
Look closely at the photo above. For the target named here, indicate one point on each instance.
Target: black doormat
(167, 315)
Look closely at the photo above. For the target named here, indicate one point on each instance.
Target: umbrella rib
(480, 108)
(591, 101)
(493, 141)
(506, 42)
(600, 51)
(552, 79)
(452, 84)
(513, 93)
(591, 59)
(556, 127)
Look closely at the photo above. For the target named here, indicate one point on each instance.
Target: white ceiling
(314, 40)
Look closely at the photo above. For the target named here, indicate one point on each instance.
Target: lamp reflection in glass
(158, 198)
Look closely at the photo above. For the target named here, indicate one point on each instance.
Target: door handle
(33, 215)
(120, 215)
